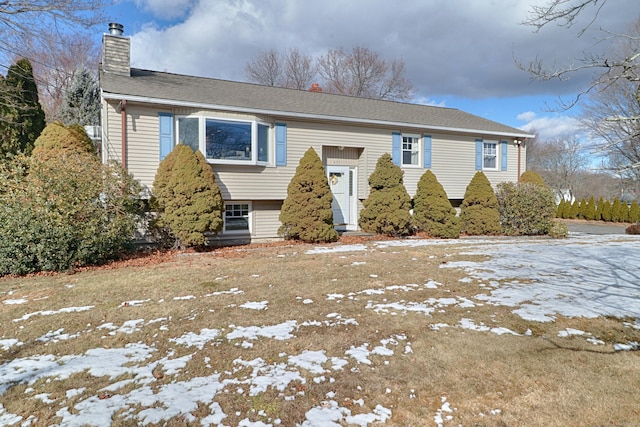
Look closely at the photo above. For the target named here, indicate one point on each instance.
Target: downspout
(123, 130)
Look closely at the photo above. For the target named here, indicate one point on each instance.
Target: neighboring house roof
(183, 90)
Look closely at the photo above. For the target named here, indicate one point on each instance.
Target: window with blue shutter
(478, 154)
(395, 147)
(281, 144)
(166, 133)
(503, 155)
(427, 151)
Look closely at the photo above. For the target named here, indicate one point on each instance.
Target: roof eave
(160, 101)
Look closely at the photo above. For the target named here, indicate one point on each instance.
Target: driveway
(596, 227)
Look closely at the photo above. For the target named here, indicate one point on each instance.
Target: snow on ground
(540, 278)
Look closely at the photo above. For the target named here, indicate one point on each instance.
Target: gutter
(159, 101)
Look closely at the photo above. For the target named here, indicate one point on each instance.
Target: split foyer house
(253, 137)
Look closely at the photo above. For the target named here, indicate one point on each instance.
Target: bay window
(227, 141)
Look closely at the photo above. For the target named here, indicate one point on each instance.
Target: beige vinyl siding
(111, 143)
(265, 221)
(143, 143)
(453, 162)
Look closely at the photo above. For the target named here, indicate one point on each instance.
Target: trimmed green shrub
(560, 208)
(607, 214)
(599, 210)
(531, 177)
(479, 210)
(558, 230)
(634, 212)
(566, 210)
(525, 209)
(432, 210)
(187, 198)
(590, 210)
(57, 136)
(387, 209)
(582, 207)
(574, 209)
(306, 212)
(68, 210)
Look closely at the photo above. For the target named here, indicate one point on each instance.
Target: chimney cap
(116, 29)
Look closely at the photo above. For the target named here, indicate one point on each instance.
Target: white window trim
(202, 144)
(249, 218)
(496, 144)
(419, 143)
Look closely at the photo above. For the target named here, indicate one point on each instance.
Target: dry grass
(489, 380)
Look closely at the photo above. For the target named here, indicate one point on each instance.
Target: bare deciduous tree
(560, 162)
(266, 69)
(300, 70)
(360, 72)
(612, 111)
(56, 63)
(363, 73)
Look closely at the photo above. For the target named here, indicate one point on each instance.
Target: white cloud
(551, 127)
(527, 116)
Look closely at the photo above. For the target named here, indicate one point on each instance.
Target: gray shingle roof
(190, 90)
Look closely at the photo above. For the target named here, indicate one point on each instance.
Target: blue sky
(457, 53)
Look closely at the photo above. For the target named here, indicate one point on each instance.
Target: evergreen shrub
(432, 210)
(306, 213)
(532, 177)
(558, 230)
(590, 210)
(634, 212)
(607, 214)
(479, 210)
(387, 209)
(65, 210)
(187, 199)
(525, 209)
(56, 137)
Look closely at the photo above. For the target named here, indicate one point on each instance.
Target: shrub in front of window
(526, 209)
(432, 210)
(479, 213)
(62, 209)
(532, 177)
(306, 212)
(187, 198)
(387, 209)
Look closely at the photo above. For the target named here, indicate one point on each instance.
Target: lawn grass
(340, 302)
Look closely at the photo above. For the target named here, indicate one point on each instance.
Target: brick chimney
(315, 87)
(116, 51)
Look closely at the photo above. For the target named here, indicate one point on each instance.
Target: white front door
(341, 204)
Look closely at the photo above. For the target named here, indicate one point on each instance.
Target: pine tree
(607, 213)
(81, 104)
(432, 211)
(560, 209)
(479, 210)
(189, 199)
(21, 116)
(306, 212)
(634, 212)
(574, 209)
(387, 209)
(599, 209)
(590, 210)
(582, 207)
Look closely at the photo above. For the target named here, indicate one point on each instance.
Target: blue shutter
(503, 155)
(478, 154)
(281, 144)
(166, 133)
(427, 151)
(395, 147)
